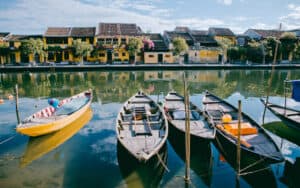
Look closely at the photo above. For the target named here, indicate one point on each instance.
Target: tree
(179, 45)
(34, 47)
(269, 46)
(289, 44)
(224, 43)
(134, 46)
(254, 52)
(81, 49)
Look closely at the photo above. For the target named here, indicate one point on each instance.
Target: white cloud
(225, 2)
(292, 20)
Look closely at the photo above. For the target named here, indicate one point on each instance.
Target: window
(151, 56)
(66, 55)
(102, 55)
(123, 54)
(167, 55)
(116, 54)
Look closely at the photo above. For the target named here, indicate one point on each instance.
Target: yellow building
(220, 33)
(158, 51)
(59, 41)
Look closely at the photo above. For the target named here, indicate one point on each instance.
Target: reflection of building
(121, 76)
(151, 75)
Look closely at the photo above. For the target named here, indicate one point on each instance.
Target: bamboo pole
(187, 131)
(271, 78)
(17, 101)
(238, 153)
(285, 87)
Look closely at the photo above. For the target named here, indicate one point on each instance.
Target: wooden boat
(52, 119)
(289, 116)
(256, 144)
(141, 127)
(39, 146)
(175, 112)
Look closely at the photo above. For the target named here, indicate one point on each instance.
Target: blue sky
(33, 17)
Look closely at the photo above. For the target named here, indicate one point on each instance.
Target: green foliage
(81, 49)
(33, 46)
(289, 43)
(179, 45)
(134, 46)
(255, 53)
(4, 50)
(236, 53)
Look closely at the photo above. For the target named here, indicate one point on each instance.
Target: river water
(88, 154)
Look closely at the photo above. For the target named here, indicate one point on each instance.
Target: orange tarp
(246, 128)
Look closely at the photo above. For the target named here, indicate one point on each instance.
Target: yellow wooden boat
(39, 146)
(52, 119)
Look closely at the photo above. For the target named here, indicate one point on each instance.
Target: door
(160, 58)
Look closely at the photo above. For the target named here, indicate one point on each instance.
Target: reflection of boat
(283, 131)
(138, 174)
(141, 127)
(175, 112)
(291, 175)
(39, 146)
(51, 119)
(256, 144)
(255, 174)
(201, 160)
(289, 116)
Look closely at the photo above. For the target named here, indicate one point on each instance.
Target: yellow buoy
(226, 118)
(10, 97)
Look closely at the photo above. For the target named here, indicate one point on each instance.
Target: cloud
(225, 2)
(292, 20)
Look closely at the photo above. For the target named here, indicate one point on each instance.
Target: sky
(156, 16)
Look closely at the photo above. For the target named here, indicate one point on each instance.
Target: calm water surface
(88, 155)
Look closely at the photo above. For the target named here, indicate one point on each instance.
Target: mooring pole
(187, 131)
(285, 88)
(17, 101)
(238, 153)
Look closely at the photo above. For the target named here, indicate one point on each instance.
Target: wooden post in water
(17, 101)
(187, 131)
(238, 152)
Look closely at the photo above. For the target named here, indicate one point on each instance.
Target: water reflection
(201, 161)
(90, 158)
(39, 146)
(136, 174)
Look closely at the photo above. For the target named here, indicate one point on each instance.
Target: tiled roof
(172, 34)
(220, 31)
(205, 40)
(199, 32)
(4, 34)
(268, 33)
(181, 29)
(22, 37)
(159, 43)
(16, 37)
(83, 31)
(119, 29)
(58, 31)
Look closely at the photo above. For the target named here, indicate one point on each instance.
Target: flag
(296, 90)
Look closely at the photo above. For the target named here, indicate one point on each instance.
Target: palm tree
(289, 43)
(81, 49)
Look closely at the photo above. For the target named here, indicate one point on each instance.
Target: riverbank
(128, 67)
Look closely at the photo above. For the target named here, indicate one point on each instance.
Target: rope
(162, 162)
(8, 139)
